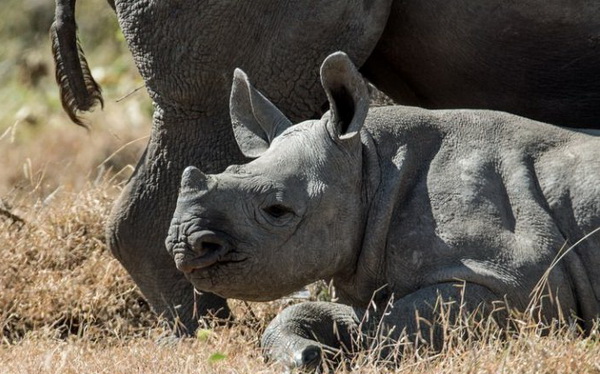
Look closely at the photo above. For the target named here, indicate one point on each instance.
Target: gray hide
(402, 207)
(537, 58)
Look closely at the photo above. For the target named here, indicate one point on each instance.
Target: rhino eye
(277, 210)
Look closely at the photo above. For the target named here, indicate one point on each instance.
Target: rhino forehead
(300, 180)
(290, 166)
(306, 140)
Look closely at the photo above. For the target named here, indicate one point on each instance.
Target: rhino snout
(203, 249)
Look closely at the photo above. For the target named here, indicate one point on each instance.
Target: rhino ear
(347, 94)
(255, 120)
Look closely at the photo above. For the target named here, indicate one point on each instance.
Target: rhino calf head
(293, 215)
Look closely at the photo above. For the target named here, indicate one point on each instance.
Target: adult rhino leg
(151, 268)
(303, 334)
(140, 219)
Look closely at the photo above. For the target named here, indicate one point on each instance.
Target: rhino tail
(79, 92)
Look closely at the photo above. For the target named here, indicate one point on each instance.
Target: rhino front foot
(312, 334)
(309, 335)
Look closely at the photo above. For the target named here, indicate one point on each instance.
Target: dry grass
(228, 352)
(66, 306)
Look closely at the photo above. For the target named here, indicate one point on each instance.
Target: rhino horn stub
(256, 121)
(193, 180)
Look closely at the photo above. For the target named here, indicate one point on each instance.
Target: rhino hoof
(308, 358)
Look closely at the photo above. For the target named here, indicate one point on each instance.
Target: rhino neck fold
(358, 287)
(389, 167)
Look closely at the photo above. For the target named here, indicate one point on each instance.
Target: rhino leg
(138, 244)
(302, 335)
(423, 316)
(140, 219)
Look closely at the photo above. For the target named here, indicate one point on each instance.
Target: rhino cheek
(243, 288)
(258, 278)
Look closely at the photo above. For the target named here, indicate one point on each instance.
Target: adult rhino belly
(186, 50)
(536, 58)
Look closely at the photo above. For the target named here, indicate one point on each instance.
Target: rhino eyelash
(277, 210)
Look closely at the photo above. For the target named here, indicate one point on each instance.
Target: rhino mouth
(191, 263)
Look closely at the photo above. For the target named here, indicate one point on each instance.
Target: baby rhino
(399, 208)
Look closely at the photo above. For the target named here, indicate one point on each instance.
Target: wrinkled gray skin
(400, 206)
(538, 58)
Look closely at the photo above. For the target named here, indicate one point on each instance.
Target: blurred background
(58, 181)
(40, 149)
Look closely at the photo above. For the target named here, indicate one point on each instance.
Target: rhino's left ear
(347, 94)
(255, 120)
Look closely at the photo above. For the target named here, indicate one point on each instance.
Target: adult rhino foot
(198, 310)
(206, 310)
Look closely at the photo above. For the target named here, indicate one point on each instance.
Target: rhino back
(478, 196)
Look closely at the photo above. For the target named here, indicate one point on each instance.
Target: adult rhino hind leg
(138, 223)
(136, 232)
(165, 288)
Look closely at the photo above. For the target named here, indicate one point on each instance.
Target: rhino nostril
(203, 242)
(211, 247)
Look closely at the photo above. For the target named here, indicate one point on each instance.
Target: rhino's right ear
(255, 120)
(347, 94)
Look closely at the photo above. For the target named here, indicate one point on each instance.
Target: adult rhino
(398, 207)
(537, 58)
